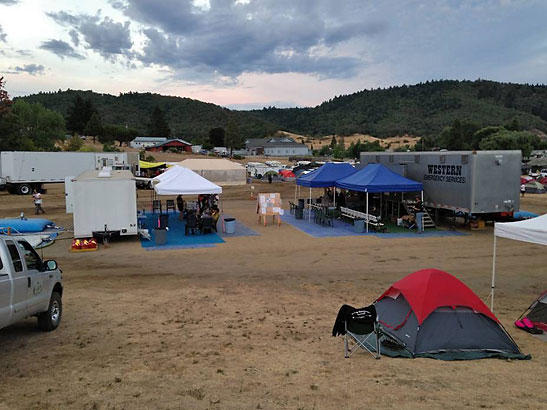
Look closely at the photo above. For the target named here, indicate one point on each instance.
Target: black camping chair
(191, 223)
(170, 204)
(156, 205)
(207, 224)
(360, 329)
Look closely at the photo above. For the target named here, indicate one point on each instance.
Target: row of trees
(338, 150)
(28, 127)
(469, 136)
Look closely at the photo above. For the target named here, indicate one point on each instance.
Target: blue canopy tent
(325, 176)
(377, 178)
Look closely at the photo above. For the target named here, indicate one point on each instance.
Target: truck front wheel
(24, 189)
(50, 319)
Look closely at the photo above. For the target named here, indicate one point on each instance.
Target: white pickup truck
(28, 286)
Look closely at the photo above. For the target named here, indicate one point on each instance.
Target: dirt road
(247, 324)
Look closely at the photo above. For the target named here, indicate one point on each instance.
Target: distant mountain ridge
(421, 110)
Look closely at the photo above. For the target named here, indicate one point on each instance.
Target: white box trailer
(104, 203)
(22, 171)
(473, 182)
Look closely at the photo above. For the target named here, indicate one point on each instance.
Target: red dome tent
(430, 313)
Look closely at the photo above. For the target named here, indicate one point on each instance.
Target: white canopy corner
(178, 180)
(532, 230)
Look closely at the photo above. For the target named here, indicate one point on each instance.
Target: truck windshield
(31, 257)
(15, 258)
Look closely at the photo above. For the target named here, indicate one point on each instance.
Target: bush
(88, 149)
(149, 158)
(174, 150)
(75, 143)
(109, 147)
(237, 156)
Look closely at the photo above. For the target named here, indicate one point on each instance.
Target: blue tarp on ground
(378, 178)
(240, 230)
(340, 229)
(176, 239)
(326, 175)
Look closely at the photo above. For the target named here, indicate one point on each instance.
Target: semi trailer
(23, 171)
(475, 183)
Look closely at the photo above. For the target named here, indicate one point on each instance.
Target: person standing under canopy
(180, 207)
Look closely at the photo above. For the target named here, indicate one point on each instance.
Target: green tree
(217, 136)
(233, 138)
(325, 151)
(39, 127)
(75, 143)
(339, 151)
(79, 114)
(510, 140)
(109, 147)
(94, 127)
(5, 101)
(128, 135)
(9, 132)
(514, 125)
(207, 145)
(158, 126)
(8, 121)
(333, 142)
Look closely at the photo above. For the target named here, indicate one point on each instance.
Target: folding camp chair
(156, 205)
(206, 224)
(362, 328)
(170, 204)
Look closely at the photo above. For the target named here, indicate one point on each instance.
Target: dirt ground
(247, 324)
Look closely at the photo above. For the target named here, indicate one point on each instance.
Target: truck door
(5, 295)
(19, 282)
(38, 285)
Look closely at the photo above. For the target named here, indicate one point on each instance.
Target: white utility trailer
(23, 171)
(104, 204)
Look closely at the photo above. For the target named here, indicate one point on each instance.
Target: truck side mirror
(50, 265)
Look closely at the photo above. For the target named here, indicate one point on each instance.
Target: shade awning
(183, 181)
(326, 175)
(147, 165)
(530, 230)
(378, 178)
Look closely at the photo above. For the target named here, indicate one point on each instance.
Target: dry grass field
(246, 324)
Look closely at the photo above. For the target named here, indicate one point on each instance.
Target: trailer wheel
(24, 189)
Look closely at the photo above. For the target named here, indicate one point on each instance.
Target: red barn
(178, 144)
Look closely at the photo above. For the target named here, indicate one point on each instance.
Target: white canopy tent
(530, 230)
(178, 180)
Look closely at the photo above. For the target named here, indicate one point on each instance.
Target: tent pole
(422, 197)
(334, 196)
(366, 221)
(222, 213)
(295, 189)
(493, 277)
(381, 195)
(309, 208)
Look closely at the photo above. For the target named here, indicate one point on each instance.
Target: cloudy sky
(255, 53)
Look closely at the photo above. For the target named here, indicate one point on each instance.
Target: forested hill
(421, 110)
(187, 118)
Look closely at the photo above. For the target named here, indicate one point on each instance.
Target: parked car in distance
(543, 173)
(28, 286)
